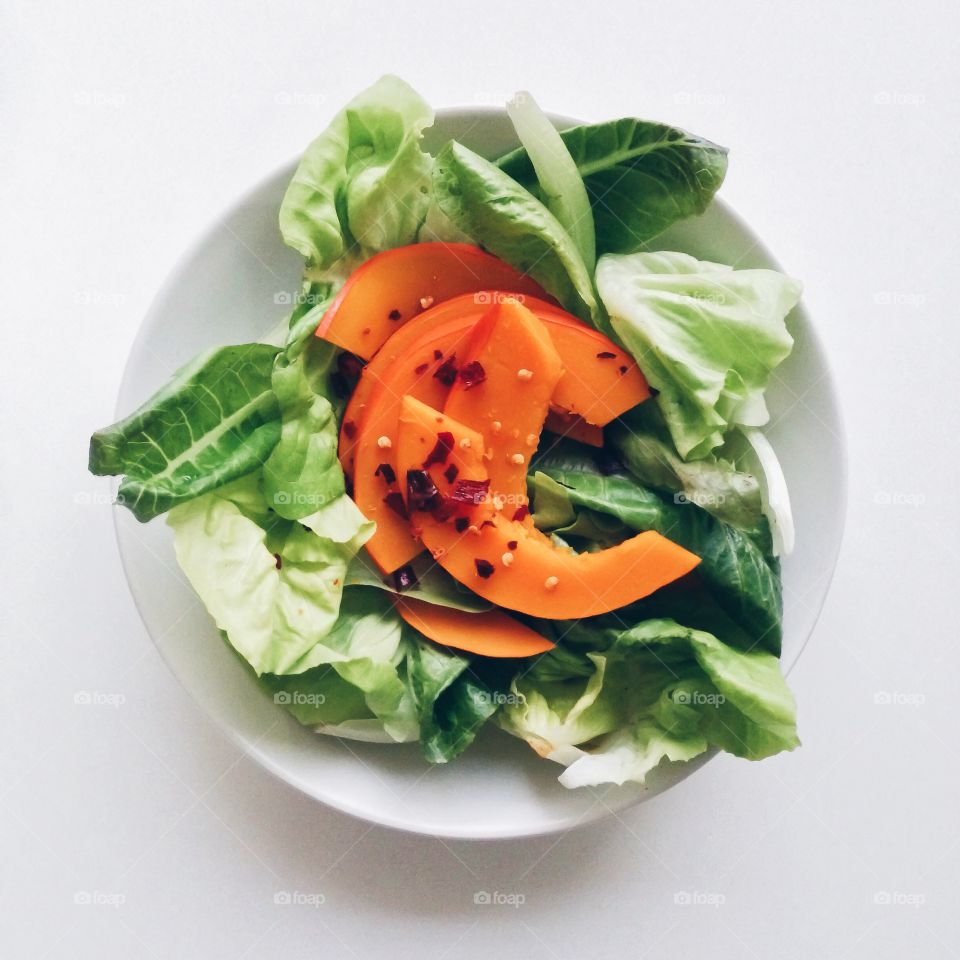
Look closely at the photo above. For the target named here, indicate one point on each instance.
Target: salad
(503, 463)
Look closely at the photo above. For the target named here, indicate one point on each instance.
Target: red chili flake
(394, 315)
(487, 523)
(422, 492)
(350, 429)
(441, 450)
(276, 557)
(461, 524)
(470, 491)
(606, 355)
(472, 374)
(623, 370)
(484, 568)
(395, 502)
(521, 512)
(446, 373)
(386, 471)
(422, 368)
(512, 544)
(445, 509)
(404, 578)
(437, 354)
(450, 474)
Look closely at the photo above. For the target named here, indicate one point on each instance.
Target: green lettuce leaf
(391, 684)
(511, 223)
(452, 703)
(216, 420)
(613, 703)
(705, 335)
(640, 176)
(732, 567)
(273, 585)
(433, 583)
(363, 184)
(358, 691)
(302, 472)
(713, 483)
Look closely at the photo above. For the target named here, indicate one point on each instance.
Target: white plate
(230, 288)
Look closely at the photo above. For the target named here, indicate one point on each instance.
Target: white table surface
(126, 128)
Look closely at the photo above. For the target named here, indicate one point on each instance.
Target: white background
(126, 129)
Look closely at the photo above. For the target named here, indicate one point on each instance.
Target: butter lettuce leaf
(362, 186)
(613, 703)
(706, 336)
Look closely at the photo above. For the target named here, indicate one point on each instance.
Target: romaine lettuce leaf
(216, 420)
(734, 569)
(363, 184)
(640, 176)
(452, 703)
(505, 218)
(705, 335)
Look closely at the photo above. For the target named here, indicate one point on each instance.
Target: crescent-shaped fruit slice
(455, 315)
(426, 366)
(394, 286)
(491, 633)
(515, 370)
(495, 555)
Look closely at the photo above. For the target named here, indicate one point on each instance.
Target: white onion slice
(773, 490)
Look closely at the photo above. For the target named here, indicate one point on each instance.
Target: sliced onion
(773, 490)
